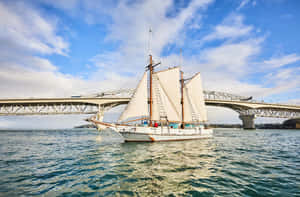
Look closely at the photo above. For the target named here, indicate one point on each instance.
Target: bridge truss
(48, 109)
(271, 113)
(52, 108)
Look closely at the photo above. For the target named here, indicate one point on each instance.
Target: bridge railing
(214, 95)
(209, 95)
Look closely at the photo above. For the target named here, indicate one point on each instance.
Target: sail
(166, 95)
(138, 105)
(194, 105)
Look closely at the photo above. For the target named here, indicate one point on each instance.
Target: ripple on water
(88, 163)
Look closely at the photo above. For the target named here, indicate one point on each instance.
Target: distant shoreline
(221, 126)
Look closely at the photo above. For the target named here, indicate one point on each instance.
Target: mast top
(149, 41)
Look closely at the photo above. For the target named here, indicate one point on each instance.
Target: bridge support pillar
(248, 121)
(100, 113)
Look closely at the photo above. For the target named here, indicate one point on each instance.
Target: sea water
(81, 162)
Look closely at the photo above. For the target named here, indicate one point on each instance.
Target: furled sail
(138, 105)
(194, 106)
(166, 95)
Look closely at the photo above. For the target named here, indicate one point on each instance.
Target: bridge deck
(86, 105)
(99, 101)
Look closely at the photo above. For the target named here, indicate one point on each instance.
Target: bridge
(99, 103)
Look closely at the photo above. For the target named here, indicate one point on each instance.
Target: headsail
(166, 97)
(138, 105)
(194, 108)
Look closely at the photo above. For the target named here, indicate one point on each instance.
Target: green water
(89, 163)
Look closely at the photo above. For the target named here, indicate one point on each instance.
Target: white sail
(138, 105)
(170, 81)
(166, 95)
(194, 106)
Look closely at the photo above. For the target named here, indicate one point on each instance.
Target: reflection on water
(86, 162)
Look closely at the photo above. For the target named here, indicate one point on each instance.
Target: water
(86, 163)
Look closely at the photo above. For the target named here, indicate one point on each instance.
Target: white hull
(151, 134)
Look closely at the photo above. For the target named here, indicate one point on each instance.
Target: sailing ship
(164, 107)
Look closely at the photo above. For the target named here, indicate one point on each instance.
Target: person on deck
(155, 124)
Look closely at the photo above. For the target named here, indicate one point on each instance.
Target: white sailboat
(170, 109)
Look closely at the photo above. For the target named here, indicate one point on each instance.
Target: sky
(71, 47)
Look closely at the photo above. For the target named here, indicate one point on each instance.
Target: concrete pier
(248, 121)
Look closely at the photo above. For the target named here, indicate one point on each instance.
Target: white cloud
(27, 30)
(223, 67)
(137, 18)
(25, 36)
(277, 62)
(130, 24)
(23, 82)
(24, 73)
(244, 3)
(284, 80)
(232, 57)
(231, 27)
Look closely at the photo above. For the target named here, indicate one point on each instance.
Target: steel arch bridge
(99, 103)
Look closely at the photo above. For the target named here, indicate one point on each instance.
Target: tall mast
(182, 100)
(150, 82)
(150, 67)
(182, 84)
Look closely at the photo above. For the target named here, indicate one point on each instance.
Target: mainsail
(194, 106)
(166, 95)
(166, 98)
(138, 105)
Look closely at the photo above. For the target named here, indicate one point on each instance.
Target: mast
(182, 100)
(150, 83)
(182, 84)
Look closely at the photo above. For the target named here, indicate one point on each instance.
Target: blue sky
(69, 47)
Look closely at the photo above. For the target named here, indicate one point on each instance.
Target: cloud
(231, 27)
(243, 4)
(225, 67)
(137, 18)
(232, 57)
(27, 31)
(277, 62)
(129, 25)
(25, 70)
(25, 37)
(281, 74)
(284, 80)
